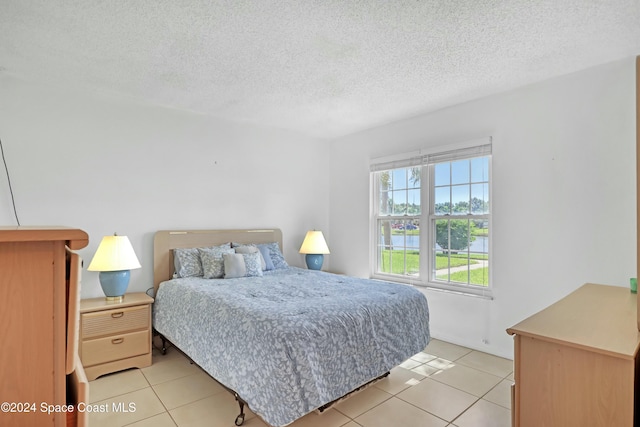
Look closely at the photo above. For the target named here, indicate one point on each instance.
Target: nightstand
(115, 335)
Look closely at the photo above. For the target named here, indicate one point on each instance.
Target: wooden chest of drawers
(39, 288)
(115, 335)
(577, 361)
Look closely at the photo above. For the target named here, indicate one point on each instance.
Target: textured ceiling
(324, 68)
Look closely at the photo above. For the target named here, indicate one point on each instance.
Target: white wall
(563, 184)
(563, 197)
(105, 165)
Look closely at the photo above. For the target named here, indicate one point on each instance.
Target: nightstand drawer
(109, 322)
(115, 347)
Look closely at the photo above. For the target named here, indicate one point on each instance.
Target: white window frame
(425, 158)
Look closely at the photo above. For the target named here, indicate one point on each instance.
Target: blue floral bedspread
(292, 340)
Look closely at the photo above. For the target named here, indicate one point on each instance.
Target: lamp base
(314, 261)
(114, 284)
(115, 299)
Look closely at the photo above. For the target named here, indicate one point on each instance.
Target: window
(431, 218)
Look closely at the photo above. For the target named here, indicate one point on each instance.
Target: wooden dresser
(576, 362)
(39, 299)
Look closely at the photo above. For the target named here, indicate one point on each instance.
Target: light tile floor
(445, 385)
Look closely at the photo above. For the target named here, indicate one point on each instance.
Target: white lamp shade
(314, 243)
(114, 253)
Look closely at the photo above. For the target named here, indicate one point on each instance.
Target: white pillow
(251, 249)
(241, 265)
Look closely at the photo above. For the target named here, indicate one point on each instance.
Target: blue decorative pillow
(275, 254)
(264, 251)
(212, 261)
(241, 265)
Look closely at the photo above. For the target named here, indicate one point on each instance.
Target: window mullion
(426, 200)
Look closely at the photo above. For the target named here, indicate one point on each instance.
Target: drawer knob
(117, 315)
(117, 341)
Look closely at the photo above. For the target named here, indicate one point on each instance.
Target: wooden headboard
(165, 241)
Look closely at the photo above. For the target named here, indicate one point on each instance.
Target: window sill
(463, 291)
(484, 295)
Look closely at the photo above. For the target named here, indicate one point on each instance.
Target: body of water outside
(480, 245)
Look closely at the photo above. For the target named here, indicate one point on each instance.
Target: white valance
(448, 153)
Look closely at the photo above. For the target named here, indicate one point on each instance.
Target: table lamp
(113, 259)
(314, 246)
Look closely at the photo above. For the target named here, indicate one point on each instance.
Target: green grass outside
(415, 232)
(413, 260)
(397, 262)
(478, 276)
(480, 232)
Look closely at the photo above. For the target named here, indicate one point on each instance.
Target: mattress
(292, 340)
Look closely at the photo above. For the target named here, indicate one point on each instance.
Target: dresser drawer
(109, 349)
(109, 322)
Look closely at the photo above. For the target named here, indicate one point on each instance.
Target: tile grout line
(477, 399)
(349, 418)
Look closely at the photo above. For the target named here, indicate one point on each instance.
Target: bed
(285, 341)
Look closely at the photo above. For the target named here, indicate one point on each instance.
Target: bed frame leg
(240, 417)
(164, 345)
(163, 350)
